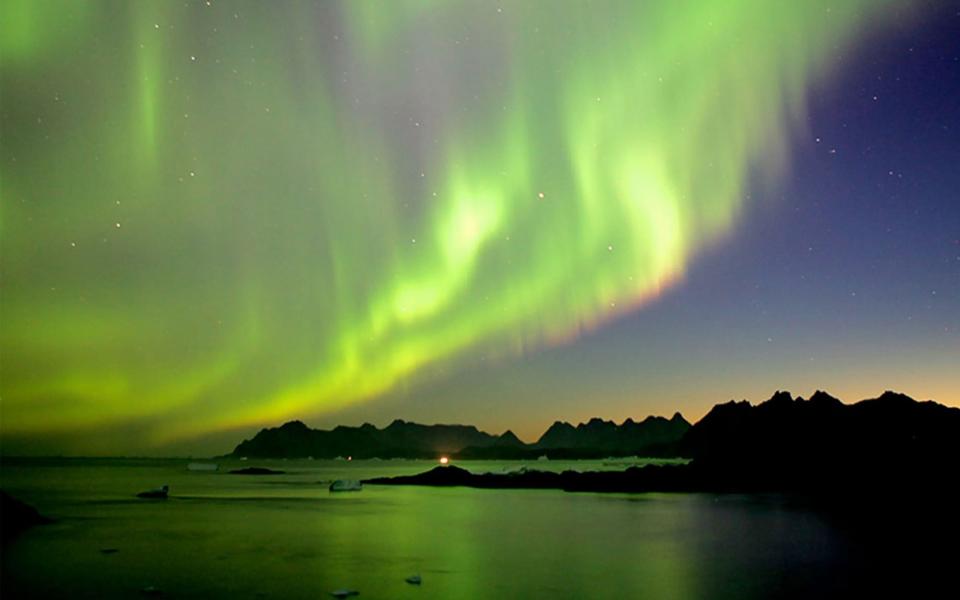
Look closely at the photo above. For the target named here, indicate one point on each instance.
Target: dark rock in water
(256, 471)
(344, 593)
(109, 550)
(414, 579)
(151, 591)
(157, 494)
(456, 477)
(16, 516)
(437, 476)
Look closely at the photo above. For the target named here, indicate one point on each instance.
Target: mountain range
(783, 434)
(791, 442)
(891, 448)
(654, 436)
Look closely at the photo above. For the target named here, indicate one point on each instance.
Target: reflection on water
(288, 536)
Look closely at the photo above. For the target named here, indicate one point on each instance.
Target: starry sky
(220, 216)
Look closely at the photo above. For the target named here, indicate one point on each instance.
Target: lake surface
(287, 536)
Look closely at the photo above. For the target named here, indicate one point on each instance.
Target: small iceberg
(344, 593)
(521, 470)
(346, 485)
(196, 466)
(543, 457)
(414, 579)
(160, 493)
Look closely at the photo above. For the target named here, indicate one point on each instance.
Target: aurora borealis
(220, 216)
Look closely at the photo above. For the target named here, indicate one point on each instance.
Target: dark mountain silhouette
(654, 436)
(629, 438)
(783, 443)
(560, 435)
(795, 443)
(399, 439)
(904, 450)
(508, 439)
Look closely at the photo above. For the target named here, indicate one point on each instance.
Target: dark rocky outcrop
(634, 479)
(16, 517)
(256, 471)
(160, 493)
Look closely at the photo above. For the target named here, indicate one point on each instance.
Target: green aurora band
(218, 217)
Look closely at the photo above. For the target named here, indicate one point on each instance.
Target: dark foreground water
(287, 536)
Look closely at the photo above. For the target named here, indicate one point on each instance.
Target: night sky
(221, 216)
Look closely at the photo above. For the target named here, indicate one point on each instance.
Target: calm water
(287, 536)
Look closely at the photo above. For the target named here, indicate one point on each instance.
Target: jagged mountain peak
(294, 425)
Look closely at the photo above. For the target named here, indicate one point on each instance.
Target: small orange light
(444, 460)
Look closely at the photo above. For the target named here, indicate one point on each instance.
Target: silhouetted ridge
(509, 439)
(890, 449)
(559, 435)
(399, 439)
(654, 436)
(822, 398)
(796, 443)
(782, 443)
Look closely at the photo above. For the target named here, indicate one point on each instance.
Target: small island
(256, 471)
